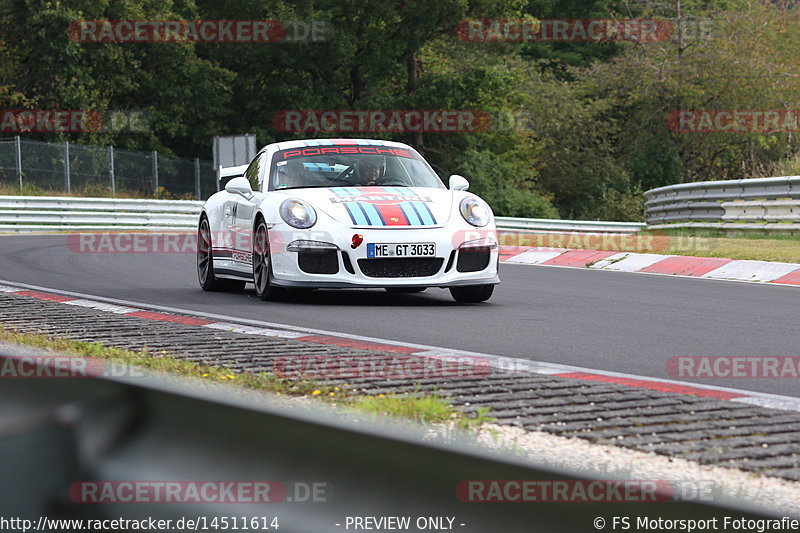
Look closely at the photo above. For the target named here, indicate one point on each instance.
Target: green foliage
(578, 130)
(496, 179)
(183, 96)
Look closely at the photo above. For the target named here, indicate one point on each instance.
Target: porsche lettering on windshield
(380, 198)
(346, 150)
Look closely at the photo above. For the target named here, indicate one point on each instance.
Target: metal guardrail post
(67, 184)
(155, 173)
(18, 153)
(197, 177)
(111, 170)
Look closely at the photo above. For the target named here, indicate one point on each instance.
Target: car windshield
(350, 165)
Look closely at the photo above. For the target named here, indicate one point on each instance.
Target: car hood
(389, 207)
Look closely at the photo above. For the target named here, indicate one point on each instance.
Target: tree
(156, 79)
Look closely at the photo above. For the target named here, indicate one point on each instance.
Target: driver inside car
(369, 171)
(293, 174)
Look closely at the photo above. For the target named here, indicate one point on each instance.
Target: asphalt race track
(613, 321)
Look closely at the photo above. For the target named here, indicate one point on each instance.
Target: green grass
(421, 408)
(425, 409)
(164, 362)
(757, 246)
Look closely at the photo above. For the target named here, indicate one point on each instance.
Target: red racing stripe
(654, 385)
(507, 252)
(686, 265)
(392, 214)
(792, 278)
(45, 296)
(185, 320)
(578, 258)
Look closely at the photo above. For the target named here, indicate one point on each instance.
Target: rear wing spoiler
(226, 174)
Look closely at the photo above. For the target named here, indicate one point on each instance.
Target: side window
(253, 172)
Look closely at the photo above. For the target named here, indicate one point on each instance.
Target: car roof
(300, 143)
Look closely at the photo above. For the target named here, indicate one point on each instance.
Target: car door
(242, 213)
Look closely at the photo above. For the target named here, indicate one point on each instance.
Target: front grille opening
(318, 261)
(347, 264)
(472, 260)
(400, 267)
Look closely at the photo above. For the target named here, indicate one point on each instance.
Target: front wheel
(205, 263)
(261, 264)
(472, 294)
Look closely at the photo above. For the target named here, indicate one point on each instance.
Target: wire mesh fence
(34, 167)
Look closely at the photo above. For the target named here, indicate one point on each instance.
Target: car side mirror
(458, 183)
(240, 186)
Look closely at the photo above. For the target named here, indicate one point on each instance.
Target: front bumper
(346, 267)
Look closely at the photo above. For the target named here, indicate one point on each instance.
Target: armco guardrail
(60, 437)
(43, 213)
(54, 213)
(760, 203)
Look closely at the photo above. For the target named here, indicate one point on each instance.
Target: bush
(500, 181)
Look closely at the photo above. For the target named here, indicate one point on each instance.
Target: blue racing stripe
(375, 218)
(360, 207)
(318, 142)
(351, 191)
(410, 213)
(424, 213)
(357, 214)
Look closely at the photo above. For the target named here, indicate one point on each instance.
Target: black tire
(472, 294)
(205, 263)
(262, 265)
(404, 290)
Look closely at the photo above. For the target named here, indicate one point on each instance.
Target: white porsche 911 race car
(346, 213)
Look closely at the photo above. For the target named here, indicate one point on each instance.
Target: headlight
(298, 214)
(475, 211)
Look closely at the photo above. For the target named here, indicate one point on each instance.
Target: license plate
(425, 249)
